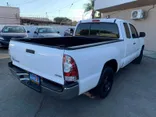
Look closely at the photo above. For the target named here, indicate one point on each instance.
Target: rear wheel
(106, 81)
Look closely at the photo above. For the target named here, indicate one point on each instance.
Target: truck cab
(114, 28)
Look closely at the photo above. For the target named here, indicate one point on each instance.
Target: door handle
(30, 51)
(134, 43)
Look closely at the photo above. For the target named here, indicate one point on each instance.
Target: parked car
(46, 32)
(69, 32)
(66, 67)
(7, 32)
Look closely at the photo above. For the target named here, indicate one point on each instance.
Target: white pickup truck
(66, 67)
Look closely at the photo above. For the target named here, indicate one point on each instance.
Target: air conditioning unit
(137, 14)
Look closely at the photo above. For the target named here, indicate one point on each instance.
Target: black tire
(106, 81)
(139, 59)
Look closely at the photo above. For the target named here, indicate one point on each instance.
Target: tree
(74, 23)
(62, 20)
(90, 7)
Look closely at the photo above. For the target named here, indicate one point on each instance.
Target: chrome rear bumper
(46, 86)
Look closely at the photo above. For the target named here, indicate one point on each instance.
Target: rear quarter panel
(90, 62)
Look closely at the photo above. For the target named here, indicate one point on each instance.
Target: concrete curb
(150, 54)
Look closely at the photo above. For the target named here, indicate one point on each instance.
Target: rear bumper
(4, 43)
(46, 87)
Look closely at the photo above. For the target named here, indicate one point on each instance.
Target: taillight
(95, 20)
(70, 69)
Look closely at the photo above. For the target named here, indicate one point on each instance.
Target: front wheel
(106, 81)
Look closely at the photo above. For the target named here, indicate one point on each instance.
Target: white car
(46, 32)
(66, 67)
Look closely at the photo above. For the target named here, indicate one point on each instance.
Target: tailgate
(40, 60)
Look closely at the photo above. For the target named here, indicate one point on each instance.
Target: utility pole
(7, 4)
(47, 15)
(59, 13)
(93, 11)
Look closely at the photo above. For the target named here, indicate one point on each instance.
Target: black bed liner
(68, 42)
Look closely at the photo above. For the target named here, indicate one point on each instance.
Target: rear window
(83, 30)
(13, 29)
(98, 29)
(46, 30)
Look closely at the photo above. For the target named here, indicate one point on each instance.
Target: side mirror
(35, 32)
(58, 32)
(28, 31)
(71, 32)
(142, 34)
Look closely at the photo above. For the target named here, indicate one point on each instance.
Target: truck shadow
(131, 85)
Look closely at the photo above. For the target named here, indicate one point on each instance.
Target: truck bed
(69, 42)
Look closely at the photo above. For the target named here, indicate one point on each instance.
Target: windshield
(13, 29)
(46, 30)
(98, 29)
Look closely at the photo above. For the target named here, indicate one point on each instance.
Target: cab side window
(134, 31)
(128, 35)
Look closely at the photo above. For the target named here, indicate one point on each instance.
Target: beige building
(9, 15)
(123, 9)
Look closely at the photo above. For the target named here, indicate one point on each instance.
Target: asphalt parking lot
(133, 95)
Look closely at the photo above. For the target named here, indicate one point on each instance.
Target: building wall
(147, 25)
(9, 15)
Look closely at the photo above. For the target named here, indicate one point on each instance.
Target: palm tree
(90, 7)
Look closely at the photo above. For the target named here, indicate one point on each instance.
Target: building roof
(102, 20)
(9, 7)
(126, 5)
(40, 19)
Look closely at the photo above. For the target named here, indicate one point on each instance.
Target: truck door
(130, 45)
(129, 41)
(135, 37)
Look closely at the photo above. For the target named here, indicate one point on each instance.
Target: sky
(50, 8)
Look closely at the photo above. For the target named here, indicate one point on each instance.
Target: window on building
(134, 31)
(128, 35)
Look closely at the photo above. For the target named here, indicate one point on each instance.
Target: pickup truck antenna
(115, 20)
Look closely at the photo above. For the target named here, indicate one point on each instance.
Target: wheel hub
(107, 85)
